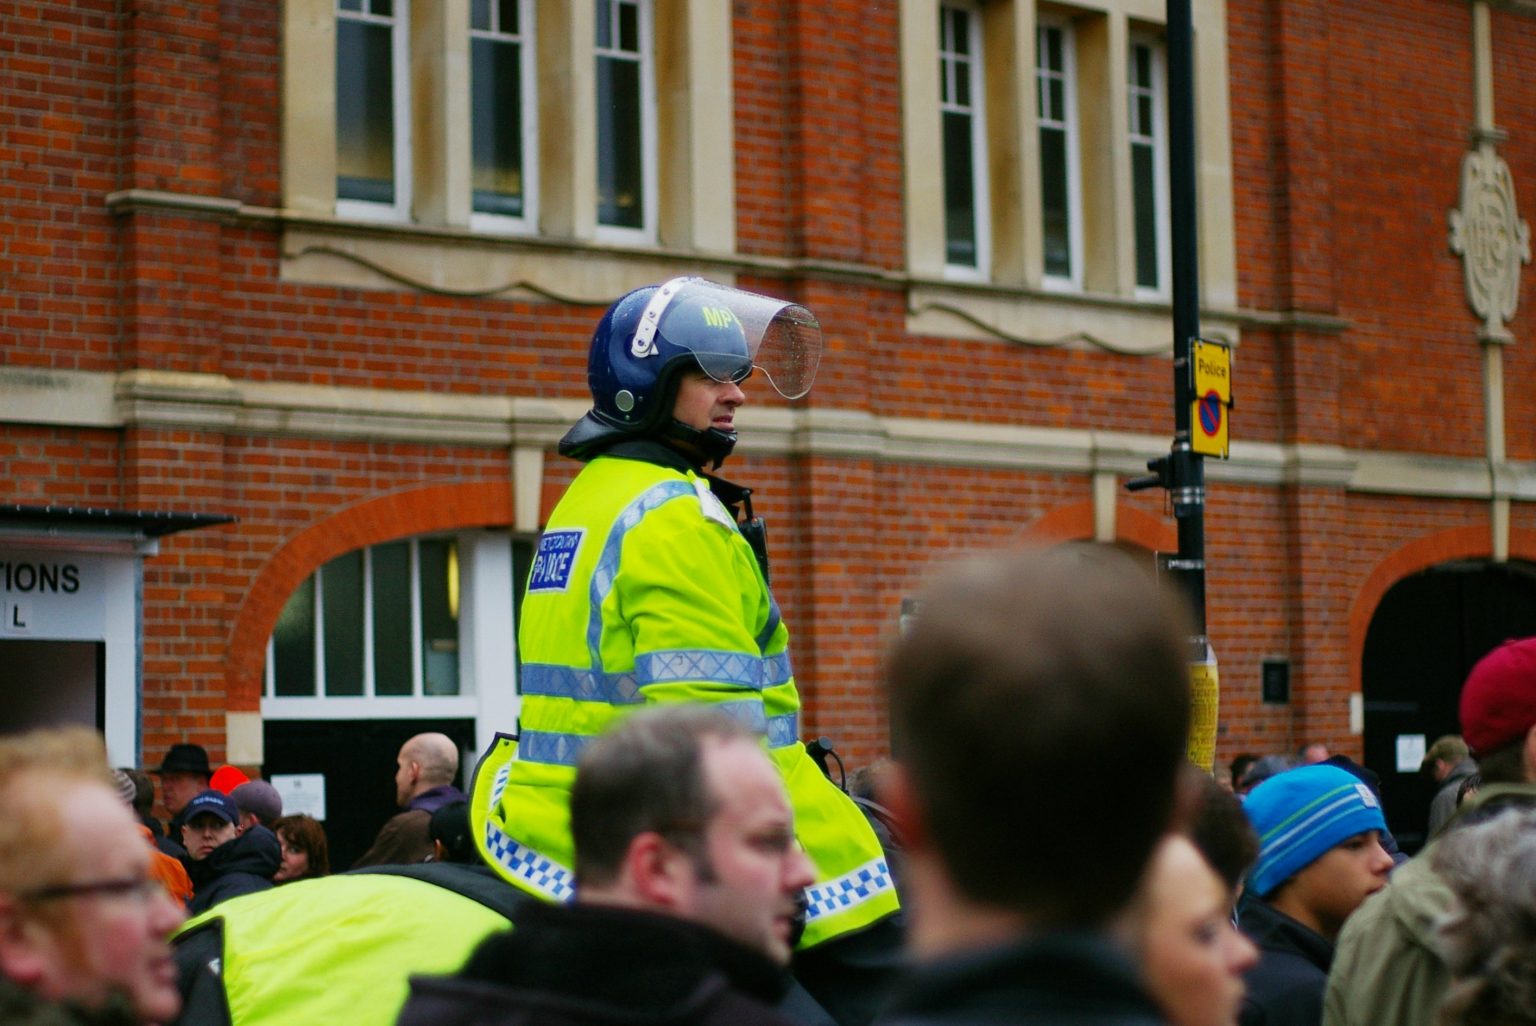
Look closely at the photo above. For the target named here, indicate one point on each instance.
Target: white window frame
(400, 209)
(417, 704)
(528, 40)
(1158, 141)
(1072, 282)
(645, 235)
(980, 182)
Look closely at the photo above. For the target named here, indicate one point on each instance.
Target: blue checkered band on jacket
(539, 872)
(868, 881)
(554, 748)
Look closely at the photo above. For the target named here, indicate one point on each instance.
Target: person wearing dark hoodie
(1320, 856)
(223, 860)
(689, 877)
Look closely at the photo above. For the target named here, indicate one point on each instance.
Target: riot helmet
(647, 340)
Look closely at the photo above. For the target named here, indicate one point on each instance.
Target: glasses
(143, 890)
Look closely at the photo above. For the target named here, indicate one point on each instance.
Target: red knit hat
(1498, 701)
(227, 778)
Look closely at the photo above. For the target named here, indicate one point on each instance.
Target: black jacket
(1285, 987)
(585, 965)
(1064, 979)
(242, 866)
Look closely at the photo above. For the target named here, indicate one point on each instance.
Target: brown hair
(646, 775)
(306, 834)
(1040, 701)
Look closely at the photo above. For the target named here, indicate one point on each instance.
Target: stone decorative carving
(1492, 240)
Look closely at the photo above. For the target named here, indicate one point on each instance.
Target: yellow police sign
(1211, 369)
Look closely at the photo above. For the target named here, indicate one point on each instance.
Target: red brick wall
(1349, 122)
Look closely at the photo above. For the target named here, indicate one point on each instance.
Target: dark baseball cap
(214, 803)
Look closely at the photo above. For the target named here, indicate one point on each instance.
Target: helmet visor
(731, 333)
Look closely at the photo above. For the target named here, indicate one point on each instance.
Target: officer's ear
(658, 872)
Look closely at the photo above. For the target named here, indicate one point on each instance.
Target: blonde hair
(33, 768)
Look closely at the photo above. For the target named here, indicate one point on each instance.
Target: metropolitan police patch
(553, 562)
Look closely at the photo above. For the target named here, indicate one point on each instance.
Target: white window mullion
(417, 673)
(320, 632)
(368, 622)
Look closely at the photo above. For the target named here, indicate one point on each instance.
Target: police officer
(650, 585)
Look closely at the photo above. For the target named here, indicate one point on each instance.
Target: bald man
(424, 775)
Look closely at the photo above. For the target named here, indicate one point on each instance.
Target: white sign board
(1410, 752)
(303, 794)
(58, 595)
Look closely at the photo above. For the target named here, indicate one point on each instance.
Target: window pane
(293, 644)
(480, 15)
(620, 172)
(629, 27)
(384, 8)
(365, 124)
(604, 23)
(392, 619)
(959, 191)
(1144, 186)
(497, 134)
(342, 598)
(509, 16)
(1053, 194)
(349, 5)
(439, 616)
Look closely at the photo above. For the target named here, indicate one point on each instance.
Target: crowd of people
(657, 845)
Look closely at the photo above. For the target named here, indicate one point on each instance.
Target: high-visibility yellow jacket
(643, 590)
(336, 948)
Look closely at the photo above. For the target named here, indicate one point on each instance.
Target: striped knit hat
(1302, 813)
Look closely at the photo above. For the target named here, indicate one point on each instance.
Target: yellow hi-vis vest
(644, 591)
(338, 949)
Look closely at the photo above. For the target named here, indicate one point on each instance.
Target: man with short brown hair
(1016, 665)
(689, 878)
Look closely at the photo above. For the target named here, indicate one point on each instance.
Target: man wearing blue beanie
(1320, 856)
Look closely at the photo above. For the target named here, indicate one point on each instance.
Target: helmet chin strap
(710, 444)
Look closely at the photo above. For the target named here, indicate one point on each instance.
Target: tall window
(960, 105)
(1056, 89)
(372, 132)
(381, 621)
(501, 69)
(625, 186)
(1149, 187)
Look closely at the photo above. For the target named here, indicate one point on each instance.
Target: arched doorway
(1423, 638)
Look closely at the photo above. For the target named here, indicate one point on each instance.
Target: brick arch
(398, 515)
(1075, 523)
(1420, 554)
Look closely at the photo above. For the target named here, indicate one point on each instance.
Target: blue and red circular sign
(1209, 408)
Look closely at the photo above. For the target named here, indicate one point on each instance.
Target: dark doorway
(50, 683)
(357, 759)
(1425, 635)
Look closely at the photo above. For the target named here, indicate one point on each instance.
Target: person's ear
(1528, 756)
(21, 957)
(901, 798)
(659, 872)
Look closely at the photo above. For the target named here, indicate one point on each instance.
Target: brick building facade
(212, 299)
